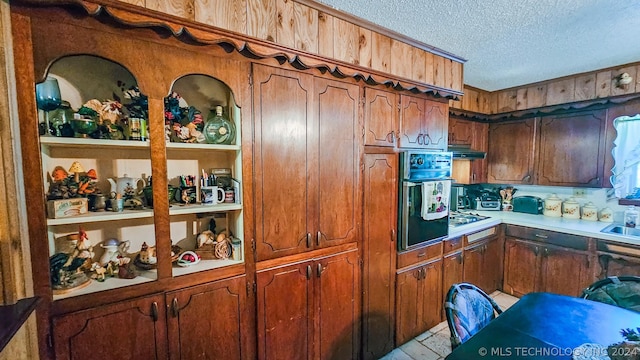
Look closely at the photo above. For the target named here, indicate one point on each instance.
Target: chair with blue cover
(468, 309)
(621, 291)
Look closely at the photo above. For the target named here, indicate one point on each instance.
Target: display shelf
(101, 216)
(198, 209)
(144, 276)
(53, 141)
(192, 146)
(204, 265)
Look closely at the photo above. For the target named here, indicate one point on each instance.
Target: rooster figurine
(62, 266)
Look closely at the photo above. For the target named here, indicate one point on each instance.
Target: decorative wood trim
(204, 34)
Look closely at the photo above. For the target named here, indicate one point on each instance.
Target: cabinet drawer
(549, 237)
(451, 245)
(619, 248)
(415, 256)
(480, 236)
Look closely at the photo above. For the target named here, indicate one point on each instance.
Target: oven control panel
(423, 165)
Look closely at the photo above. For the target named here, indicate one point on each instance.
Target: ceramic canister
(606, 215)
(552, 206)
(571, 209)
(590, 212)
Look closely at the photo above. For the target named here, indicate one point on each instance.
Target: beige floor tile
(445, 331)
(438, 327)
(418, 351)
(424, 335)
(439, 343)
(396, 354)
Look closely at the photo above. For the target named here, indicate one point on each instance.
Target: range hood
(464, 152)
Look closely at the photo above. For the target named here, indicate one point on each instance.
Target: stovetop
(458, 218)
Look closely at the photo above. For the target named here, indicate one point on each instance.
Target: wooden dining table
(550, 326)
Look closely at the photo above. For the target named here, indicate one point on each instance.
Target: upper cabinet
(423, 123)
(474, 135)
(560, 150)
(380, 117)
(307, 165)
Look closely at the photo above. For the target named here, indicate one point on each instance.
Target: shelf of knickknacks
(143, 276)
(89, 142)
(202, 146)
(102, 216)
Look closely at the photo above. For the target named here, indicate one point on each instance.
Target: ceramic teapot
(125, 184)
(112, 249)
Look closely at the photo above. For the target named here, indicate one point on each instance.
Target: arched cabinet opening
(204, 170)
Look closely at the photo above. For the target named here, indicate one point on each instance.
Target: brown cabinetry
(423, 123)
(379, 254)
(560, 263)
(474, 135)
(133, 329)
(380, 117)
(310, 309)
(559, 150)
(483, 260)
(307, 168)
(615, 259)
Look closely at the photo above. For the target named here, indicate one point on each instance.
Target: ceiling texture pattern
(510, 43)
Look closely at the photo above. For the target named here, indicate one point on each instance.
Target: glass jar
(237, 249)
(631, 217)
(60, 120)
(218, 129)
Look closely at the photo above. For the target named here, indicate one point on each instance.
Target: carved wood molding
(187, 30)
(547, 110)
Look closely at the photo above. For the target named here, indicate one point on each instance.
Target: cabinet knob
(526, 178)
(308, 272)
(420, 139)
(393, 235)
(320, 269)
(175, 309)
(154, 311)
(308, 239)
(318, 238)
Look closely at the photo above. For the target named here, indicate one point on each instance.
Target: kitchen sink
(622, 230)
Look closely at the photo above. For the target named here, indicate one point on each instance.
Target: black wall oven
(423, 197)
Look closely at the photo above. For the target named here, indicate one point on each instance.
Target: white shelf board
(111, 283)
(191, 146)
(101, 216)
(177, 209)
(203, 265)
(54, 141)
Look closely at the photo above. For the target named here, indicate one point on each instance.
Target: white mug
(211, 195)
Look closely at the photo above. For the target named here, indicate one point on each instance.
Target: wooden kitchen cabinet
(379, 254)
(461, 132)
(474, 135)
(380, 117)
(418, 299)
(310, 309)
(483, 260)
(451, 271)
(521, 272)
(511, 152)
(615, 259)
(564, 271)
(571, 151)
(423, 123)
(131, 329)
(209, 321)
(307, 168)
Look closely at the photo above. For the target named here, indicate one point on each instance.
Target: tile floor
(434, 344)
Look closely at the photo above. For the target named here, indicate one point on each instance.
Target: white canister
(571, 209)
(606, 215)
(552, 206)
(590, 212)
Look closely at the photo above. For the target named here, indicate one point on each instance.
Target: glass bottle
(631, 217)
(218, 129)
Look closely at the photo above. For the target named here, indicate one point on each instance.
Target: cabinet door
(431, 289)
(412, 112)
(451, 273)
(572, 149)
(337, 297)
(379, 252)
(617, 265)
(339, 207)
(564, 271)
(435, 125)
(473, 266)
(480, 142)
(511, 152)
(285, 312)
(380, 117)
(492, 265)
(285, 155)
(521, 267)
(134, 329)
(408, 297)
(208, 314)
(461, 132)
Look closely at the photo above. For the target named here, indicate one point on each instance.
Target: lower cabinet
(615, 259)
(418, 299)
(132, 329)
(483, 264)
(206, 321)
(533, 266)
(310, 309)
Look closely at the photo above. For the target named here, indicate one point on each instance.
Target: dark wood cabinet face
(408, 295)
(521, 268)
(133, 329)
(436, 123)
(564, 271)
(379, 252)
(285, 312)
(208, 314)
(380, 117)
(285, 136)
(461, 132)
(339, 205)
(431, 292)
(616, 265)
(473, 266)
(412, 112)
(572, 149)
(511, 152)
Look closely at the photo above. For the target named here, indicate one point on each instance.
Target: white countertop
(559, 224)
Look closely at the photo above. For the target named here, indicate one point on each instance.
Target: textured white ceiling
(514, 42)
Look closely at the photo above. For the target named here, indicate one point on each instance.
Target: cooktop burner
(458, 218)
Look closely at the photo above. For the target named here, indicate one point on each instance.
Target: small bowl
(83, 126)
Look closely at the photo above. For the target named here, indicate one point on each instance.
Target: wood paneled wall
(586, 86)
(314, 28)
